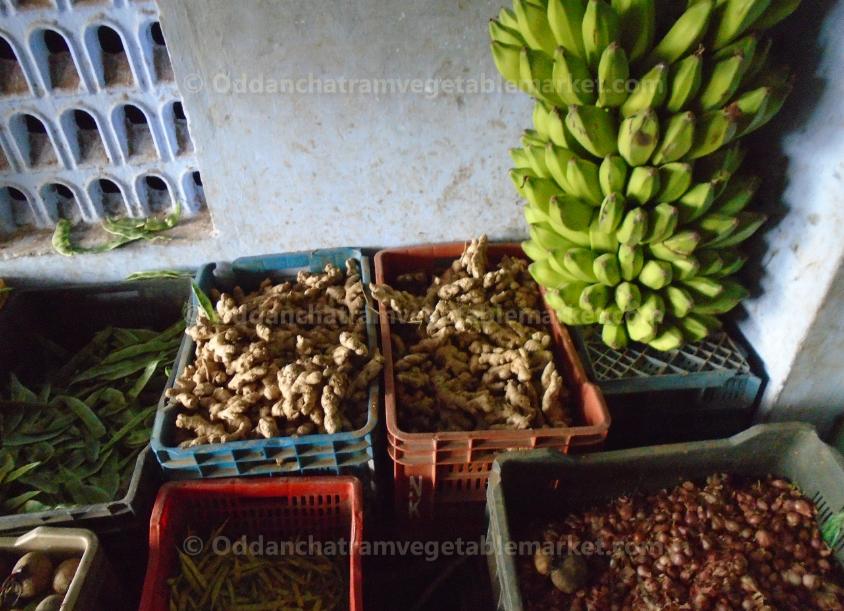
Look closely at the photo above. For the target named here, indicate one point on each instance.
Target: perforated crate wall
(91, 120)
(718, 364)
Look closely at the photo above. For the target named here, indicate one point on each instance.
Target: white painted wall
(795, 324)
(303, 170)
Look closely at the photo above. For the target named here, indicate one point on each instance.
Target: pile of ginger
(472, 350)
(288, 359)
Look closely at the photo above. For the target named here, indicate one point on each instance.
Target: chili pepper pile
(246, 582)
(75, 439)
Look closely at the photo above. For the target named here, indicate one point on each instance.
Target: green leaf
(833, 529)
(33, 506)
(204, 303)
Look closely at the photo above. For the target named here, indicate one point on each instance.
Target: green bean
(84, 413)
(158, 274)
(204, 303)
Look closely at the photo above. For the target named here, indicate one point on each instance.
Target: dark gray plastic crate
(540, 484)
(70, 316)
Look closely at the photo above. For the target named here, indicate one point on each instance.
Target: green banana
(650, 91)
(674, 179)
(545, 276)
(638, 25)
(601, 241)
(599, 28)
(501, 33)
(716, 226)
(534, 216)
(607, 269)
(678, 139)
(611, 213)
(678, 301)
(536, 72)
(538, 192)
(656, 274)
(534, 251)
(565, 18)
(663, 222)
(508, 19)
(580, 264)
(557, 161)
(594, 128)
(696, 201)
(746, 45)
(722, 82)
(644, 184)
(638, 138)
(594, 297)
(683, 243)
(686, 78)
(547, 238)
(615, 336)
(732, 263)
(775, 13)
(752, 105)
(748, 223)
(633, 227)
(518, 177)
(760, 59)
(684, 35)
(612, 174)
(734, 18)
(653, 307)
(535, 156)
(779, 94)
(569, 295)
(531, 137)
(628, 297)
(613, 73)
(671, 338)
(520, 158)
(731, 294)
(711, 263)
(582, 176)
(698, 326)
(685, 267)
(611, 315)
(640, 329)
(706, 287)
(724, 162)
(533, 25)
(571, 78)
(631, 259)
(540, 120)
(714, 129)
(571, 218)
(508, 60)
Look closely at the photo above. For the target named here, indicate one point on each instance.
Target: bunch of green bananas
(634, 205)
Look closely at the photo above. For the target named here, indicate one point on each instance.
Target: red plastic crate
(327, 508)
(443, 469)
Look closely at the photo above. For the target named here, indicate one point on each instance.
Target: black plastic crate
(70, 316)
(526, 486)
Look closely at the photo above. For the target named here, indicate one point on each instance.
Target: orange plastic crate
(280, 509)
(446, 468)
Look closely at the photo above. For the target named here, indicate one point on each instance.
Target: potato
(64, 575)
(33, 572)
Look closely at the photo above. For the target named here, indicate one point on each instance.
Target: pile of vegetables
(726, 543)
(36, 582)
(74, 439)
(247, 582)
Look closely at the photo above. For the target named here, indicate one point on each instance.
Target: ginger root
(473, 352)
(289, 358)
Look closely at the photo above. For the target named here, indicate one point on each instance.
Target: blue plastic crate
(346, 452)
(717, 366)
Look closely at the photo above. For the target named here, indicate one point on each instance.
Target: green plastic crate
(545, 484)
